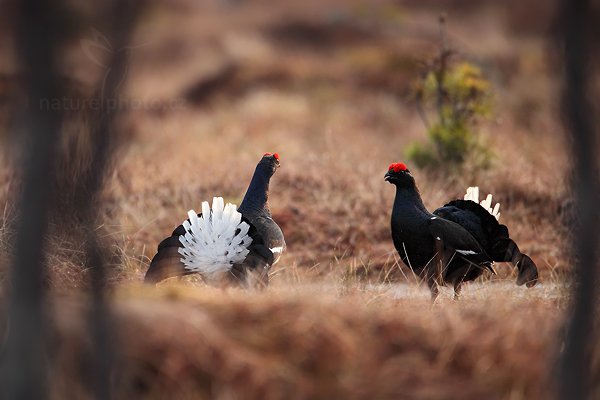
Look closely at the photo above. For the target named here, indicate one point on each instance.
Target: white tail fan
(473, 195)
(216, 240)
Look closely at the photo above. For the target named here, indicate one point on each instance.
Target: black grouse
(225, 244)
(456, 243)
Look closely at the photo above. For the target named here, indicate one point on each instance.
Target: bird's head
(269, 163)
(399, 175)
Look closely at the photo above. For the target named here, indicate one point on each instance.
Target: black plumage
(454, 244)
(267, 244)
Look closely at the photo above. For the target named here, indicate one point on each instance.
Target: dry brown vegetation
(312, 342)
(327, 86)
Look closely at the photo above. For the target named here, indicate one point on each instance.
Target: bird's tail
(505, 249)
(209, 244)
(473, 195)
(214, 240)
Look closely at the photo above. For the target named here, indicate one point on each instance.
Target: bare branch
(104, 142)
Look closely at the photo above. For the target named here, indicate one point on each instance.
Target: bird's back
(476, 220)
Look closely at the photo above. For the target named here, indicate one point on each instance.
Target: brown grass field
(327, 85)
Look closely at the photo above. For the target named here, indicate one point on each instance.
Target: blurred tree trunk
(575, 362)
(24, 354)
(42, 26)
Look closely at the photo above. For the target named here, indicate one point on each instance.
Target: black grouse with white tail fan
(457, 242)
(224, 243)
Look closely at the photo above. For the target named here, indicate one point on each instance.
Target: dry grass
(308, 342)
(341, 319)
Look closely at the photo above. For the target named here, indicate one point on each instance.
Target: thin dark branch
(419, 101)
(103, 138)
(441, 69)
(574, 383)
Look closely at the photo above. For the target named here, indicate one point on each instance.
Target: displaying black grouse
(222, 242)
(456, 243)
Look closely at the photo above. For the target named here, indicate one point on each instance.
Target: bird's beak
(387, 177)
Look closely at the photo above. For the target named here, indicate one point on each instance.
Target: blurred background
(195, 92)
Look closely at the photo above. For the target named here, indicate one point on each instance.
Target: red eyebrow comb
(276, 155)
(397, 167)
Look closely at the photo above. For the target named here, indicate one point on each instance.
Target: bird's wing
(476, 220)
(271, 235)
(457, 238)
(277, 247)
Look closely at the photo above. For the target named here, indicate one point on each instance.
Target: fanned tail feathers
(215, 240)
(473, 195)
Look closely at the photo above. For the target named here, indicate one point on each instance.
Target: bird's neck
(408, 204)
(256, 200)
